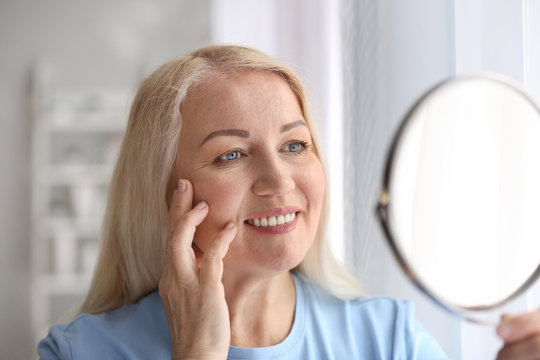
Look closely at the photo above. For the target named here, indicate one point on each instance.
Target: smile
(272, 220)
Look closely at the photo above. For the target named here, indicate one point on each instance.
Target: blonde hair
(135, 225)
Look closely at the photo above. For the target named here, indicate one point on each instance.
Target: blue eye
(230, 156)
(234, 155)
(296, 147)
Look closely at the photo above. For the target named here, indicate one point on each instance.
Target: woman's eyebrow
(245, 133)
(294, 124)
(226, 132)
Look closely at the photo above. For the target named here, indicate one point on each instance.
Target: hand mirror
(460, 203)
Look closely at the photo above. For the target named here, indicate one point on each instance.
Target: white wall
(88, 44)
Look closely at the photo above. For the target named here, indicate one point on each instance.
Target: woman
(214, 241)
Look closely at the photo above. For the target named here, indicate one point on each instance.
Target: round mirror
(460, 203)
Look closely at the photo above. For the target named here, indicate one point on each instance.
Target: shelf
(89, 226)
(88, 123)
(77, 174)
(88, 128)
(62, 284)
(76, 136)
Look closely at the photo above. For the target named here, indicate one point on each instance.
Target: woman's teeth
(272, 220)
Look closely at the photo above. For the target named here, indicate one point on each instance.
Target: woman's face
(247, 150)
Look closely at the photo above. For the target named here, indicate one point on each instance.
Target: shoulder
(382, 326)
(367, 306)
(392, 325)
(380, 312)
(120, 333)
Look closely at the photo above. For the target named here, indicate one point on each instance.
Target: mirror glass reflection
(464, 194)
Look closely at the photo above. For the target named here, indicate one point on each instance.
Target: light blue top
(324, 328)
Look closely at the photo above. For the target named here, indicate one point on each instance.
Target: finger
(516, 328)
(211, 270)
(523, 350)
(198, 253)
(180, 260)
(182, 236)
(180, 204)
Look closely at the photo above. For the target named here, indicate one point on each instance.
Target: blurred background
(69, 69)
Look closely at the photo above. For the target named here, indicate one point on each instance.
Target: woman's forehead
(241, 100)
(236, 86)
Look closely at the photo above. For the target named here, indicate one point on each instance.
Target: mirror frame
(384, 200)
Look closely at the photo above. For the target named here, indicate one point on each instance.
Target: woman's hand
(190, 286)
(521, 336)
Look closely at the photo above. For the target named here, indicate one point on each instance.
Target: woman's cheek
(218, 196)
(315, 184)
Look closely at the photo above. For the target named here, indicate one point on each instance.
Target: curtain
(393, 51)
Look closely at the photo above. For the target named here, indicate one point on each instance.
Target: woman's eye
(230, 156)
(297, 146)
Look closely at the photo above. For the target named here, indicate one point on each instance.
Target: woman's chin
(269, 263)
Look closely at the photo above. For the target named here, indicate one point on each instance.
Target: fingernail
(181, 185)
(229, 226)
(504, 331)
(201, 205)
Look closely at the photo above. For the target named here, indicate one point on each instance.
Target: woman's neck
(261, 309)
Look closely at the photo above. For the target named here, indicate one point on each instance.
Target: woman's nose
(273, 180)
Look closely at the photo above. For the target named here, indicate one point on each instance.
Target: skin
(267, 174)
(219, 291)
(222, 282)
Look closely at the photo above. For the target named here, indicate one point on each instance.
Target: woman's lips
(277, 229)
(275, 212)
